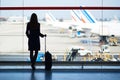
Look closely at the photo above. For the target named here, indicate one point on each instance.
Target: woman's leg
(31, 56)
(32, 59)
(35, 56)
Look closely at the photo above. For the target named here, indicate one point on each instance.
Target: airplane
(3, 19)
(70, 26)
(101, 28)
(17, 19)
(85, 22)
(90, 24)
(51, 20)
(14, 20)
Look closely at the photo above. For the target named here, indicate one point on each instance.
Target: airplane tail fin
(49, 17)
(75, 16)
(82, 16)
(87, 17)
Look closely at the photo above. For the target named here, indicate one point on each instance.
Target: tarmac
(13, 40)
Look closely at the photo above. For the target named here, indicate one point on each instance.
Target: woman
(33, 33)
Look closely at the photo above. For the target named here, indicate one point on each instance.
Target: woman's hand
(45, 35)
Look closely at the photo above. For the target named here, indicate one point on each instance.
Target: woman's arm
(27, 30)
(40, 34)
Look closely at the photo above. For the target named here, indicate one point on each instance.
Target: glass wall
(71, 34)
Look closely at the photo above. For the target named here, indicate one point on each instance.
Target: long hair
(33, 18)
(33, 21)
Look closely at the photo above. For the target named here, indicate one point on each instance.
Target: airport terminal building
(78, 40)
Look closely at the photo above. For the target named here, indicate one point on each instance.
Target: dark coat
(33, 33)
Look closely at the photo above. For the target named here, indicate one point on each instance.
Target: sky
(59, 13)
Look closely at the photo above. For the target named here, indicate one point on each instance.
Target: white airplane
(3, 19)
(89, 22)
(51, 20)
(68, 25)
(17, 19)
(14, 19)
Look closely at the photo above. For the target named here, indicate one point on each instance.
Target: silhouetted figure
(33, 33)
(48, 61)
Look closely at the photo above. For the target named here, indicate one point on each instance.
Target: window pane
(63, 31)
(11, 44)
(13, 3)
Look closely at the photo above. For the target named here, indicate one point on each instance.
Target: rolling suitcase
(48, 59)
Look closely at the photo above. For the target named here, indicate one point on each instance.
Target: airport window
(72, 35)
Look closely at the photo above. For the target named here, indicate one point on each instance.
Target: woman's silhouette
(33, 33)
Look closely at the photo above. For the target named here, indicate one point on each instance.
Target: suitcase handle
(45, 43)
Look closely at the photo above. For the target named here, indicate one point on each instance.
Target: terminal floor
(63, 74)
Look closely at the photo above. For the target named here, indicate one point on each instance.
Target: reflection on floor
(27, 74)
